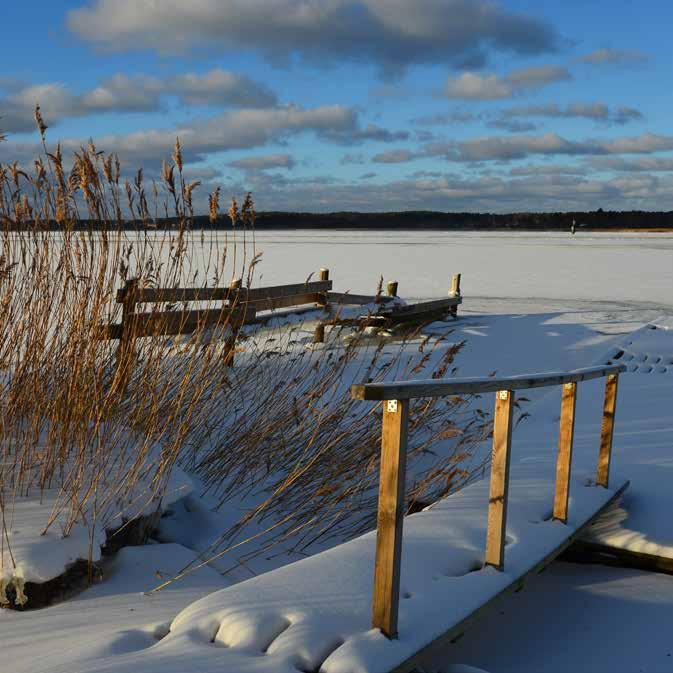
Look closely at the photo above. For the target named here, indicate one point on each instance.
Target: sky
(371, 105)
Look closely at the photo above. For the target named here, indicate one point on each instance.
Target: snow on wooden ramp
(315, 615)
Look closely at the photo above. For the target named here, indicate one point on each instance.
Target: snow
(35, 556)
(108, 619)
(584, 619)
(533, 302)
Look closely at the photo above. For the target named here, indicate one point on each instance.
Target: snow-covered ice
(533, 302)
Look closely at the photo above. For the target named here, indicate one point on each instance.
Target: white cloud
(138, 93)
(606, 56)
(264, 162)
(393, 157)
(476, 86)
(599, 112)
(392, 33)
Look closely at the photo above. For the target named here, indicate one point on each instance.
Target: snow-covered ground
(532, 303)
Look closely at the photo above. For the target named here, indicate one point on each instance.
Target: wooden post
(607, 429)
(497, 502)
(319, 333)
(230, 343)
(390, 517)
(454, 292)
(565, 451)
(391, 288)
(125, 350)
(324, 275)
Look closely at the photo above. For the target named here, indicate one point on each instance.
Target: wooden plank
(421, 657)
(607, 430)
(582, 551)
(173, 295)
(273, 303)
(499, 489)
(268, 317)
(565, 451)
(406, 390)
(347, 298)
(434, 306)
(167, 323)
(385, 600)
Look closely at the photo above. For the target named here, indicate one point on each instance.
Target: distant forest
(426, 219)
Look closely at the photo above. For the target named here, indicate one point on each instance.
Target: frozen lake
(555, 270)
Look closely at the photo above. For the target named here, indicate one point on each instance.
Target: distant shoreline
(595, 221)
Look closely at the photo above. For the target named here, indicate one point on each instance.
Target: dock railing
(396, 396)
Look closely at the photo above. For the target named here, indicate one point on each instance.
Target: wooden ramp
(385, 601)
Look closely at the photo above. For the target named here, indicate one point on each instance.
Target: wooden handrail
(408, 390)
(396, 396)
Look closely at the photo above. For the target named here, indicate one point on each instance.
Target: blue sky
(358, 104)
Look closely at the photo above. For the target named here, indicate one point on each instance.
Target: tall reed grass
(278, 429)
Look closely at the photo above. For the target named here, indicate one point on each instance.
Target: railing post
(565, 451)
(497, 502)
(454, 292)
(607, 430)
(390, 517)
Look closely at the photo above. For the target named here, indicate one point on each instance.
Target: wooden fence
(241, 306)
(396, 396)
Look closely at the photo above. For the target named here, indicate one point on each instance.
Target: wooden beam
(167, 323)
(497, 501)
(273, 303)
(390, 517)
(173, 295)
(582, 551)
(607, 430)
(565, 451)
(406, 390)
(347, 298)
(434, 306)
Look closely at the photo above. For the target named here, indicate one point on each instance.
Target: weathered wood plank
(406, 390)
(434, 306)
(167, 323)
(494, 554)
(565, 451)
(607, 430)
(385, 601)
(583, 551)
(172, 295)
(347, 298)
(273, 303)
